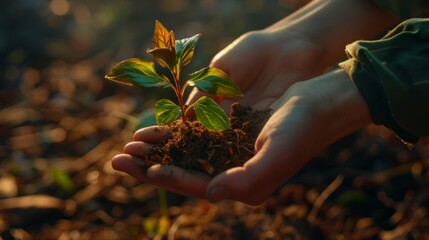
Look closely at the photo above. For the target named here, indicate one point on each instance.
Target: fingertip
(138, 149)
(119, 162)
(153, 134)
(128, 164)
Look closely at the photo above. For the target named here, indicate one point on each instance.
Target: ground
(61, 123)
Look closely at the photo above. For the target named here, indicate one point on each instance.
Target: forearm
(332, 24)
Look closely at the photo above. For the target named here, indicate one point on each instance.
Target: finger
(154, 134)
(129, 164)
(178, 180)
(171, 178)
(138, 149)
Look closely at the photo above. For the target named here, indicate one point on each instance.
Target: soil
(192, 146)
(61, 124)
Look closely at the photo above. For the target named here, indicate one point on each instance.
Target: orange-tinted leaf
(162, 38)
(164, 44)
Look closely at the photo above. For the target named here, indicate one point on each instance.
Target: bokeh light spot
(59, 7)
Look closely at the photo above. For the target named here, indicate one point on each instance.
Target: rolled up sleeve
(392, 75)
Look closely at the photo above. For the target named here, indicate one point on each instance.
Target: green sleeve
(406, 8)
(392, 75)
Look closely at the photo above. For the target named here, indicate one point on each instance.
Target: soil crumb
(192, 146)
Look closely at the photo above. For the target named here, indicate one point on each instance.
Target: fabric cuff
(369, 86)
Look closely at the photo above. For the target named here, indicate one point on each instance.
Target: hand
(264, 64)
(299, 47)
(284, 57)
(309, 116)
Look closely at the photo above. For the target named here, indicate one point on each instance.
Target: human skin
(310, 116)
(265, 64)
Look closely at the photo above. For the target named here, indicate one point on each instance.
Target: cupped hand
(264, 64)
(310, 116)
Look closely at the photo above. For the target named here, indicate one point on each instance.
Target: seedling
(173, 55)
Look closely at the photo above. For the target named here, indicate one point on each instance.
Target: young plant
(174, 54)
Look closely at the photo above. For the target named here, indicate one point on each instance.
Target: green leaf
(214, 81)
(166, 111)
(185, 49)
(137, 72)
(210, 114)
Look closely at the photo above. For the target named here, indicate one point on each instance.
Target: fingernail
(217, 194)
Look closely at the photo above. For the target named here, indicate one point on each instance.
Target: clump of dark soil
(192, 146)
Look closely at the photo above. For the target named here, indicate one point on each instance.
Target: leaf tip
(158, 24)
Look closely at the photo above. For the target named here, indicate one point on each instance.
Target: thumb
(251, 183)
(225, 184)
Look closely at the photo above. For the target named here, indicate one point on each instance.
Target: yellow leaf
(162, 38)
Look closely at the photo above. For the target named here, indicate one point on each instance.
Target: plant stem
(179, 92)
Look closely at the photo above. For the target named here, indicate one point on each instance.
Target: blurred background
(61, 123)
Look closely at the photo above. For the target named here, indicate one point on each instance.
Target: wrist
(345, 107)
(334, 103)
